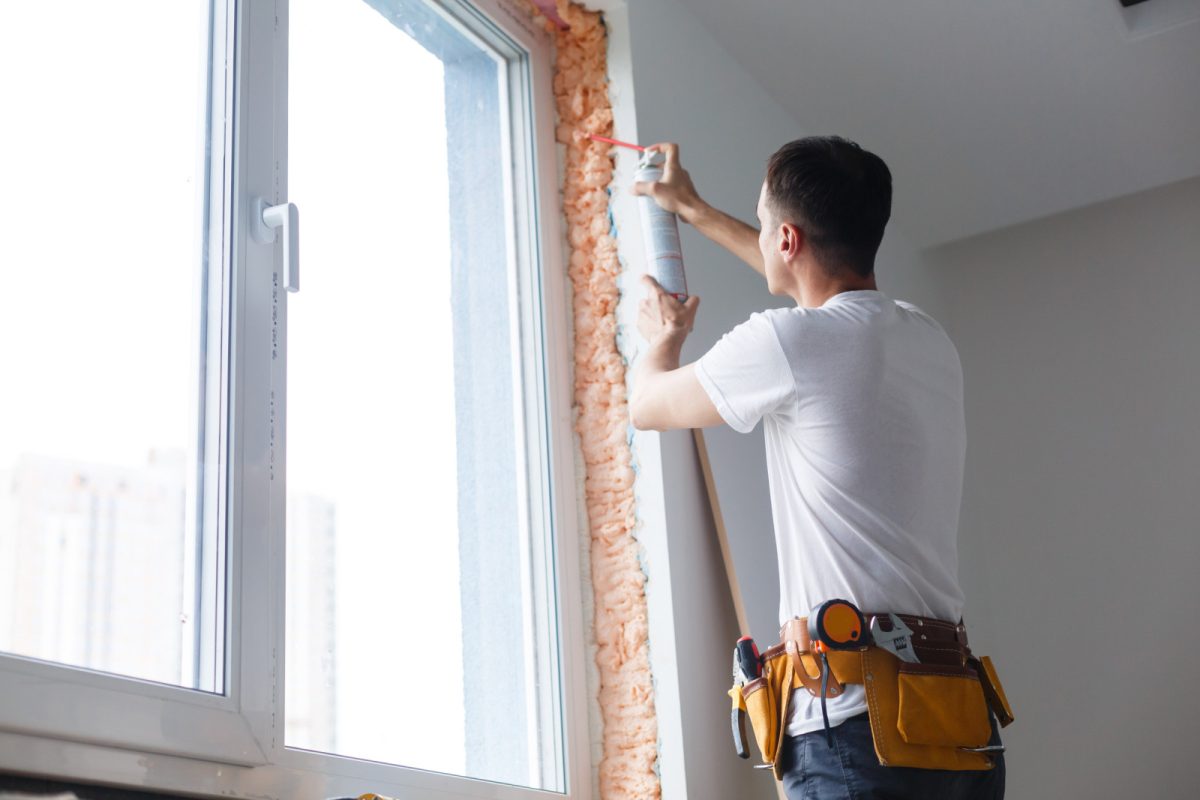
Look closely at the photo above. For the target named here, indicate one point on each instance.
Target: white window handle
(265, 219)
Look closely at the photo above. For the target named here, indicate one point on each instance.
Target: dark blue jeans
(812, 770)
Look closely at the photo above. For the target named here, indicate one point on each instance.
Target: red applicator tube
(617, 142)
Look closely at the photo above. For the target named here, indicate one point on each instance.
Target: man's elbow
(638, 419)
(642, 417)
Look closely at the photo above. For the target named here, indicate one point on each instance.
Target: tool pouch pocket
(923, 715)
(941, 705)
(994, 692)
(766, 700)
(760, 707)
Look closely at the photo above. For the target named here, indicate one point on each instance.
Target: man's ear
(791, 240)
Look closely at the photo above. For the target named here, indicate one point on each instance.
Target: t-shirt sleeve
(746, 374)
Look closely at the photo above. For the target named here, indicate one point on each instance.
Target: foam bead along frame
(630, 727)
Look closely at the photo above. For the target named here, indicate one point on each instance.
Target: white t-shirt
(862, 409)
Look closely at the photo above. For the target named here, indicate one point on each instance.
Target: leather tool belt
(931, 713)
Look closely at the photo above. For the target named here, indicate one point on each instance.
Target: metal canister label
(660, 232)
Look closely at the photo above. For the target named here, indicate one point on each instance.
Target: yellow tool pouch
(922, 715)
(765, 702)
(767, 699)
(761, 706)
(942, 706)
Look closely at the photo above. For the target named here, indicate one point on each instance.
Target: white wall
(1080, 536)
(1080, 533)
(687, 89)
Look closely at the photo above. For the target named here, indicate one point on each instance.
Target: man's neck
(817, 289)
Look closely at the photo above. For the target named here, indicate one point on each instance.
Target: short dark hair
(838, 193)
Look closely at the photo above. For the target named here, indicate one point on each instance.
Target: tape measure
(838, 625)
(835, 625)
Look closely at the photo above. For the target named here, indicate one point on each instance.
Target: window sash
(75, 703)
(68, 722)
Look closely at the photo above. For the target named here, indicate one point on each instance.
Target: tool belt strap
(934, 641)
(927, 629)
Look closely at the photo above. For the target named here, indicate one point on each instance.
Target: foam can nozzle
(660, 232)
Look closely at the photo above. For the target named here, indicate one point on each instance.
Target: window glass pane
(102, 207)
(413, 622)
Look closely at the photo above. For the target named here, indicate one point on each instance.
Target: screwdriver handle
(748, 658)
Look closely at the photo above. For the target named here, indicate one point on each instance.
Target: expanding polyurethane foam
(627, 768)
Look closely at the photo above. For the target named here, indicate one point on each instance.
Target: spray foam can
(660, 230)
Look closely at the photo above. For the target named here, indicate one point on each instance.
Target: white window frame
(77, 725)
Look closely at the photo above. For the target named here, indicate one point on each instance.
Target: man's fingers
(669, 149)
(643, 187)
(671, 167)
(692, 302)
(652, 285)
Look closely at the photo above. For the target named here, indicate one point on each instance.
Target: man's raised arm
(676, 193)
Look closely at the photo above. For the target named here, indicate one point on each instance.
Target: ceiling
(989, 113)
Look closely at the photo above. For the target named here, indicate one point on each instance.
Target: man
(860, 397)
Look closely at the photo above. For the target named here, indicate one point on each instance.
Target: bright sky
(98, 227)
(99, 194)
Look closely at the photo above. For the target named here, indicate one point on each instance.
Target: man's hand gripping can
(660, 230)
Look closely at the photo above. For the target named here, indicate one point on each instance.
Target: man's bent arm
(666, 396)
